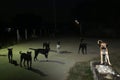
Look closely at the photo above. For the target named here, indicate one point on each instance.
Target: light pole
(54, 14)
(26, 37)
(80, 27)
(18, 35)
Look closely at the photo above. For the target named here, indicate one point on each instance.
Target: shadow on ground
(54, 61)
(37, 71)
(3, 55)
(62, 52)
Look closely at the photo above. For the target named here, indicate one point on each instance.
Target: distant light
(76, 21)
(8, 29)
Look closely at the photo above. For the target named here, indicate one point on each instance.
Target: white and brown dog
(58, 46)
(103, 52)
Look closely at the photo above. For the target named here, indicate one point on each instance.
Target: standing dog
(58, 46)
(44, 51)
(10, 55)
(103, 52)
(26, 57)
(82, 47)
(41, 51)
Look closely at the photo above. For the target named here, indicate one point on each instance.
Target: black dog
(26, 57)
(10, 55)
(46, 45)
(41, 51)
(82, 46)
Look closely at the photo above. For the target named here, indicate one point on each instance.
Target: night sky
(94, 15)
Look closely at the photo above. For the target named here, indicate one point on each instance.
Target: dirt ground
(58, 65)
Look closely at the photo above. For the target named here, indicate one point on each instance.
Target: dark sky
(10, 9)
(48, 9)
(64, 9)
(87, 11)
(94, 15)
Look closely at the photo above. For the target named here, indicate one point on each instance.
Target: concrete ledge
(98, 76)
(93, 70)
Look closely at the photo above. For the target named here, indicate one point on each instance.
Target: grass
(115, 58)
(80, 71)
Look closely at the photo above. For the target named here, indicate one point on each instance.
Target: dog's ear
(20, 52)
(99, 42)
(29, 52)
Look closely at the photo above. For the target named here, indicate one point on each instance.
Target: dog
(82, 46)
(27, 58)
(10, 54)
(46, 45)
(58, 46)
(41, 51)
(103, 52)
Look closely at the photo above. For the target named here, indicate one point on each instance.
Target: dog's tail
(20, 52)
(32, 48)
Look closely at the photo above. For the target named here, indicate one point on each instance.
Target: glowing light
(8, 29)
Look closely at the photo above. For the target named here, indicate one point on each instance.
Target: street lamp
(18, 35)
(80, 27)
(54, 13)
(9, 29)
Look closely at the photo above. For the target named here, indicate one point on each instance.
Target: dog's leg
(30, 63)
(36, 54)
(21, 59)
(35, 57)
(82, 50)
(107, 56)
(46, 56)
(101, 56)
(24, 63)
(9, 58)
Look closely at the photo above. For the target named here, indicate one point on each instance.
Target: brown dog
(103, 52)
